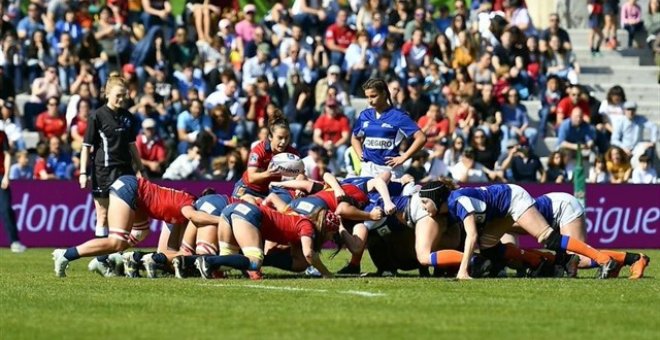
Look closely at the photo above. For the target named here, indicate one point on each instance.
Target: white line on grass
(298, 289)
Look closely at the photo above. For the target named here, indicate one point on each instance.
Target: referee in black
(111, 134)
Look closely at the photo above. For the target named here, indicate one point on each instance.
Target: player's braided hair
(380, 86)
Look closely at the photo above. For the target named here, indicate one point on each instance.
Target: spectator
(643, 172)
(21, 169)
(296, 62)
(11, 125)
(332, 131)
(598, 173)
(482, 71)
(79, 124)
(50, 123)
(561, 62)
(378, 32)
(417, 104)
(31, 23)
(298, 36)
(202, 15)
(555, 29)
(485, 149)
(573, 100)
(610, 10)
(259, 65)
(6, 27)
(515, 122)
(434, 124)
(157, 13)
(631, 20)
(66, 62)
(574, 132)
(420, 23)
(458, 25)
(224, 130)
(338, 37)
(652, 22)
(299, 109)
(151, 149)
(462, 116)
(467, 170)
(524, 164)
(91, 51)
(518, 16)
(399, 16)
(185, 165)
(414, 50)
(465, 52)
(190, 124)
(6, 211)
(187, 79)
(59, 160)
(556, 172)
(235, 167)
(486, 106)
(417, 166)
(333, 79)
(628, 133)
(255, 105)
(182, 51)
(38, 55)
(618, 165)
(359, 60)
(365, 16)
(435, 166)
(549, 102)
(595, 9)
(453, 155)
(46, 87)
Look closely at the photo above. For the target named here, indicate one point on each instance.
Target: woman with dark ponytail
(379, 131)
(254, 182)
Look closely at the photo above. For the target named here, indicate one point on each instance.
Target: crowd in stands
(203, 86)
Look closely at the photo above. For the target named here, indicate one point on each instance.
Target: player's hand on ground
(463, 276)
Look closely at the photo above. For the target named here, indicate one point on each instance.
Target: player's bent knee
(206, 248)
(137, 235)
(227, 249)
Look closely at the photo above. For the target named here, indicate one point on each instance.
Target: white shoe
(17, 247)
(131, 267)
(312, 272)
(60, 262)
(149, 265)
(101, 268)
(116, 263)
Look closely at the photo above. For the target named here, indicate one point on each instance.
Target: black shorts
(103, 177)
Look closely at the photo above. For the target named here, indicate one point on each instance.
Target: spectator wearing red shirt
(434, 125)
(42, 170)
(567, 104)
(332, 131)
(79, 125)
(151, 148)
(50, 123)
(338, 37)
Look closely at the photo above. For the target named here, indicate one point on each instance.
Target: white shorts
(371, 169)
(521, 200)
(565, 209)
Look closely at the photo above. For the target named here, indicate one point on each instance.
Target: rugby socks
(631, 258)
(137, 256)
(512, 253)
(159, 258)
(446, 258)
(577, 246)
(622, 258)
(189, 261)
(101, 231)
(356, 259)
(103, 258)
(71, 254)
(235, 261)
(280, 260)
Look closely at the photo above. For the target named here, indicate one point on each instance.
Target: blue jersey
(544, 206)
(401, 203)
(394, 188)
(307, 205)
(383, 136)
(486, 203)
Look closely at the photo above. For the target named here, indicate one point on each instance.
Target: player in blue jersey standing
(380, 130)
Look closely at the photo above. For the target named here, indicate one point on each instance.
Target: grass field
(37, 305)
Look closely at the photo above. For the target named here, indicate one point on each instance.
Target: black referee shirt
(110, 133)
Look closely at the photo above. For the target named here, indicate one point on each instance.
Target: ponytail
(277, 120)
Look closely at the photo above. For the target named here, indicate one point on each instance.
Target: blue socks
(71, 254)
(280, 260)
(235, 261)
(159, 258)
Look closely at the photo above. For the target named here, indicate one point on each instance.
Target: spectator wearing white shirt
(628, 133)
(359, 59)
(258, 66)
(467, 170)
(643, 173)
(296, 62)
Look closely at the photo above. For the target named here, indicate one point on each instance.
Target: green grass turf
(37, 305)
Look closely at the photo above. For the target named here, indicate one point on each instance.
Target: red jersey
(260, 157)
(342, 36)
(566, 106)
(332, 127)
(151, 150)
(163, 203)
(283, 228)
(352, 191)
(4, 146)
(439, 127)
(50, 126)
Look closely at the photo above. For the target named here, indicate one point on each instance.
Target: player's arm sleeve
(90, 133)
(357, 128)
(407, 126)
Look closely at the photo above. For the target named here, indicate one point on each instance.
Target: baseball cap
(249, 8)
(224, 23)
(334, 69)
(9, 104)
(148, 123)
(630, 106)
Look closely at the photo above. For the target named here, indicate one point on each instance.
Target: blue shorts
(241, 189)
(283, 194)
(211, 204)
(125, 188)
(307, 205)
(246, 211)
